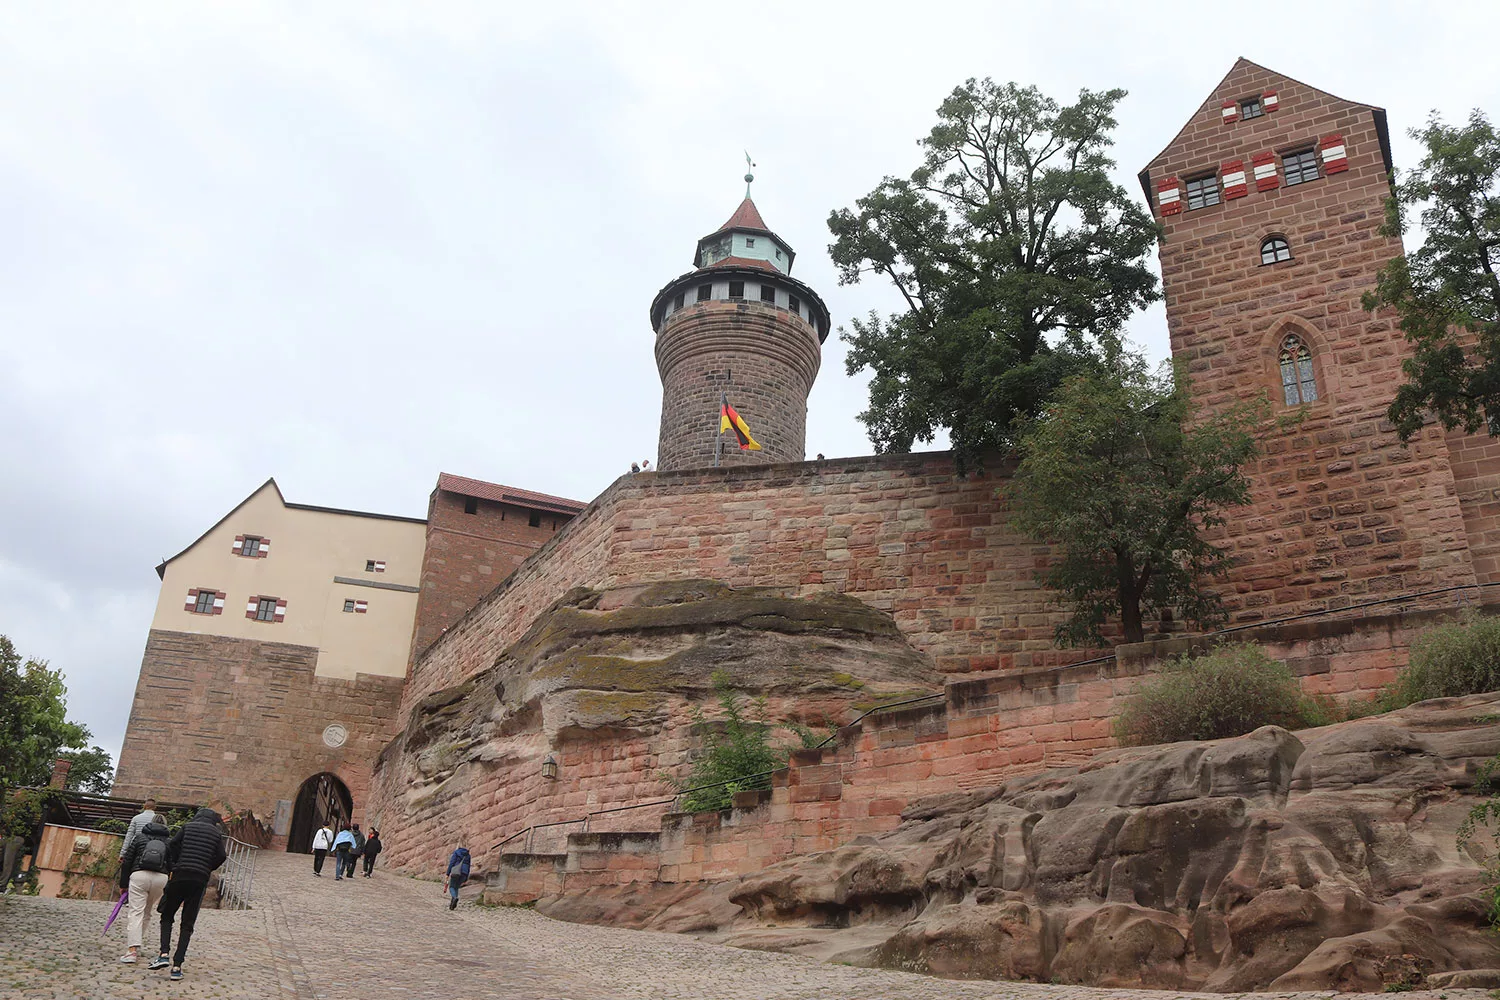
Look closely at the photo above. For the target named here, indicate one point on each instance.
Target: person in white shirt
(322, 842)
(137, 823)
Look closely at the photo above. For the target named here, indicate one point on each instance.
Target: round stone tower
(740, 328)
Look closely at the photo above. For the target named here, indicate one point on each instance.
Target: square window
(205, 603)
(369, 565)
(250, 547)
(535, 521)
(265, 609)
(1300, 166)
(749, 241)
(794, 304)
(1250, 108)
(778, 253)
(736, 289)
(678, 302)
(1203, 191)
(349, 607)
(768, 293)
(705, 292)
(471, 506)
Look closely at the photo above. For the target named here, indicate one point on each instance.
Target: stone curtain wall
(258, 715)
(1341, 511)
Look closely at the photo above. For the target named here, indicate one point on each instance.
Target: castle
(1270, 200)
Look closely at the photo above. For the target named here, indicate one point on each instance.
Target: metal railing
(237, 875)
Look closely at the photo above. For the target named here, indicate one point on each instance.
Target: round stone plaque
(335, 735)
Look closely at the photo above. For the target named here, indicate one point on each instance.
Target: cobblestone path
(392, 937)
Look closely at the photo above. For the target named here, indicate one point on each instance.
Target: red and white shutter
(379, 566)
(192, 601)
(1266, 176)
(1169, 196)
(265, 547)
(1232, 176)
(1230, 112)
(252, 606)
(1331, 151)
(280, 610)
(219, 596)
(1268, 102)
(361, 607)
(239, 541)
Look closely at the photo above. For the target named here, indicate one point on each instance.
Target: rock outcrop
(1319, 860)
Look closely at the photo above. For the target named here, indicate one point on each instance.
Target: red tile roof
(507, 494)
(747, 216)
(764, 265)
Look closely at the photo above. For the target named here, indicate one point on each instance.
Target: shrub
(1229, 692)
(735, 757)
(1458, 658)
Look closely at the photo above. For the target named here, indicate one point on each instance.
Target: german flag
(730, 420)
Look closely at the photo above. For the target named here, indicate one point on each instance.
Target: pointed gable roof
(747, 216)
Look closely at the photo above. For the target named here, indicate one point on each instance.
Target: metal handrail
(529, 831)
(237, 876)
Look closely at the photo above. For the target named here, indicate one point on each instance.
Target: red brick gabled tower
(741, 326)
(1271, 198)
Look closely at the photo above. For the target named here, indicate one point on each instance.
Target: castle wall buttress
(1341, 511)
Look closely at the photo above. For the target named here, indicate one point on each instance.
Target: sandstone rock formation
(1319, 860)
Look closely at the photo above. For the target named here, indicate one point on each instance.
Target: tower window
(1203, 192)
(1250, 108)
(778, 253)
(793, 304)
(736, 289)
(535, 521)
(1274, 249)
(749, 241)
(265, 609)
(768, 293)
(1300, 166)
(705, 292)
(1298, 384)
(677, 303)
(471, 506)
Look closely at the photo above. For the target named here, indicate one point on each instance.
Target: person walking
(457, 874)
(372, 851)
(321, 845)
(359, 850)
(138, 822)
(194, 853)
(143, 876)
(342, 845)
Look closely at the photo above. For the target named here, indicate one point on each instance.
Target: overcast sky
(352, 245)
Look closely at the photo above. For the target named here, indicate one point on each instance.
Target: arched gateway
(323, 798)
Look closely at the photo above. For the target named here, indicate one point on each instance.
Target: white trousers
(145, 892)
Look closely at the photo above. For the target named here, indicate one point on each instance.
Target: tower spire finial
(749, 177)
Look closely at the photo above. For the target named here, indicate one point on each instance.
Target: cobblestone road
(392, 937)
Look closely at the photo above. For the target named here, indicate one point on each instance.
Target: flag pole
(719, 438)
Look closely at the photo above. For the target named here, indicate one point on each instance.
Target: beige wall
(308, 549)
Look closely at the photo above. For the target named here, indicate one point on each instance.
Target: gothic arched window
(1298, 383)
(1274, 249)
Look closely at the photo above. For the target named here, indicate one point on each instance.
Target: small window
(1250, 108)
(778, 253)
(705, 292)
(794, 304)
(349, 607)
(204, 605)
(1298, 384)
(535, 521)
(749, 241)
(250, 547)
(471, 505)
(768, 293)
(736, 289)
(265, 609)
(1274, 249)
(1203, 192)
(677, 303)
(369, 565)
(1300, 166)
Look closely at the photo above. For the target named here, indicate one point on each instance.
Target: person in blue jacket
(343, 852)
(457, 874)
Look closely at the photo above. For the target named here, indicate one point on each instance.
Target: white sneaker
(128, 958)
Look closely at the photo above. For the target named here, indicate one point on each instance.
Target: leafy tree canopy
(1122, 475)
(1015, 253)
(33, 719)
(93, 770)
(1446, 293)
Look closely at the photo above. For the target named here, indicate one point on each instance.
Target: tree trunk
(1130, 618)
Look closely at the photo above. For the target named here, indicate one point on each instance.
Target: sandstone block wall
(258, 715)
(762, 357)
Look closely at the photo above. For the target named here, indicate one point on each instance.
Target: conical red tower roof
(747, 216)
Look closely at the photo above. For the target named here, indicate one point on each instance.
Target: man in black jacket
(194, 853)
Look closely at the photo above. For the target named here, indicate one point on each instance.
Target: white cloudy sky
(351, 245)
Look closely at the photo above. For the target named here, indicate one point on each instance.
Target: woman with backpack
(143, 875)
(457, 874)
(342, 845)
(322, 843)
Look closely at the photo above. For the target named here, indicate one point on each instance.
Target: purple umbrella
(115, 912)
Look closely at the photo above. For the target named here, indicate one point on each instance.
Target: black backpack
(153, 856)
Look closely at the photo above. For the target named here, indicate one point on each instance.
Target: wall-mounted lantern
(549, 767)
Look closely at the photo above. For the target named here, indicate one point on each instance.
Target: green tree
(93, 770)
(33, 719)
(1123, 475)
(1016, 256)
(1447, 294)
(737, 752)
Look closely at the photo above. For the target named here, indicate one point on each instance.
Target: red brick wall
(241, 722)
(1341, 510)
(468, 554)
(1476, 473)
